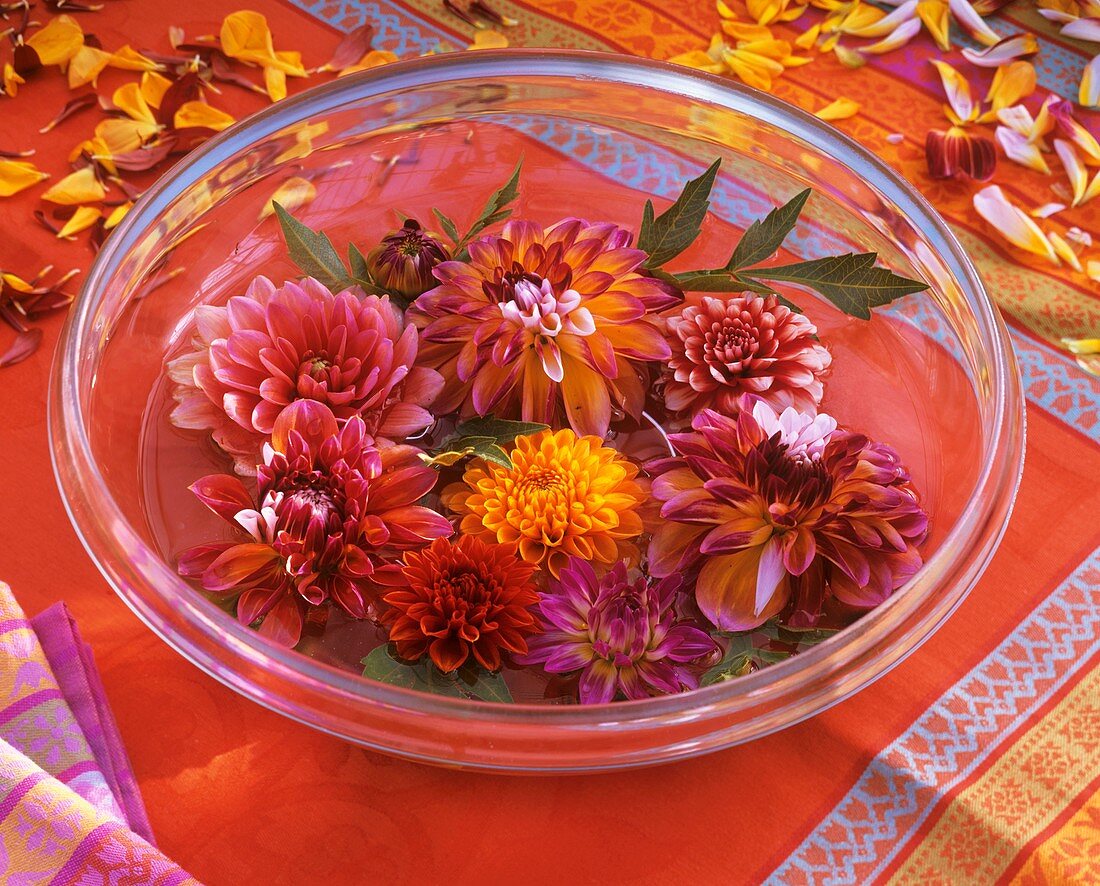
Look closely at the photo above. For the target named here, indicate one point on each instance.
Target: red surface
(237, 794)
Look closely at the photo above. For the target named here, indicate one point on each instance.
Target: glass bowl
(600, 134)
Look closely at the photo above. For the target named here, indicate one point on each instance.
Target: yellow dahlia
(564, 496)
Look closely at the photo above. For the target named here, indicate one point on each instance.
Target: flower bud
(404, 260)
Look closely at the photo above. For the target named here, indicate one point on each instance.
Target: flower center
(543, 479)
(316, 364)
(730, 342)
(536, 308)
(319, 501)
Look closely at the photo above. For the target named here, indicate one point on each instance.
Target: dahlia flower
(564, 496)
(622, 635)
(404, 260)
(329, 506)
(274, 346)
(723, 349)
(555, 318)
(457, 600)
(783, 509)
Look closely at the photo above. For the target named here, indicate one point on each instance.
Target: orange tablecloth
(978, 758)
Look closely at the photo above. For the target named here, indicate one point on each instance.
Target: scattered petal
(73, 106)
(1011, 84)
(956, 152)
(77, 187)
(898, 38)
(1047, 210)
(81, 220)
(275, 83)
(153, 87)
(373, 59)
(1064, 251)
(840, 109)
(246, 36)
(895, 138)
(1089, 94)
(86, 65)
(18, 175)
(129, 59)
(131, 101)
(1083, 29)
(1019, 150)
(962, 107)
(972, 23)
(487, 39)
(1003, 51)
(937, 18)
(1062, 112)
(1078, 175)
(26, 343)
(201, 115)
(1012, 223)
(351, 48)
(117, 215)
(57, 42)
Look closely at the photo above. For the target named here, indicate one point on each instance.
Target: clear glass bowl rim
(110, 541)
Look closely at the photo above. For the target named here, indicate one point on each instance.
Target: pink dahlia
(723, 349)
(622, 635)
(554, 319)
(329, 506)
(783, 511)
(273, 346)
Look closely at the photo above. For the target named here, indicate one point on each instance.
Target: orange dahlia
(457, 600)
(556, 319)
(564, 496)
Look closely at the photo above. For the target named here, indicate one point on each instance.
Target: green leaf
(675, 229)
(311, 251)
(851, 282)
(492, 452)
(423, 676)
(719, 280)
(488, 687)
(735, 663)
(499, 429)
(358, 264)
(447, 224)
(455, 449)
(764, 237)
(494, 210)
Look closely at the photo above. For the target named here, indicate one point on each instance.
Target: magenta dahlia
(329, 506)
(273, 346)
(724, 349)
(622, 635)
(545, 322)
(783, 511)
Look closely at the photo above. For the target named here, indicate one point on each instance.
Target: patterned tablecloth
(978, 759)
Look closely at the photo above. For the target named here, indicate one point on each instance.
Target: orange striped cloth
(975, 761)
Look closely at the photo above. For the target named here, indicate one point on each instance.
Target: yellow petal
(1083, 345)
(901, 35)
(275, 83)
(807, 38)
(1092, 268)
(746, 31)
(117, 215)
(1064, 251)
(153, 87)
(1012, 223)
(58, 41)
(246, 36)
(840, 109)
(937, 18)
(292, 194)
(764, 11)
(11, 81)
(1089, 94)
(120, 134)
(14, 282)
(883, 25)
(1075, 169)
(81, 186)
(129, 59)
(724, 11)
(81, 220)
(699, 60)
(18, 175)
(958, 92)
(373, 59)
(85, 66)
(1019, 150)
(131, 100)
(202, 115)
(1011, 84)
(751, 74)
(861, 17)
(849, 57)
(488, 39)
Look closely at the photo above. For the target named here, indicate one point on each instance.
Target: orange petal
(129, 59)
(202, 115)
(698, 60)
(81, 186)
(153, 87)
(885, 25)
(117, 215)
(121, 135)
(131, 100)
(81, 220)
(937, 18)
(726, 591)
(58, 41)
(246, 36)
(17, 175)
(10, 81)
(1011, 84)
(1064, 251)
(1089, 94)
(373, 59)
(313, 420)
(587, 403)
(275, 83)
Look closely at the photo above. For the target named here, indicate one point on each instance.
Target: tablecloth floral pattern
(977, 760)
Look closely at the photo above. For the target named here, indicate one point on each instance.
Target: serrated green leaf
(734, 662)
(311, 251)
(499, 429)
(764, 237)
(675, 229)
(496, 203)
(493, 453)
(719, 280)
(851, 282)
(448, 225)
